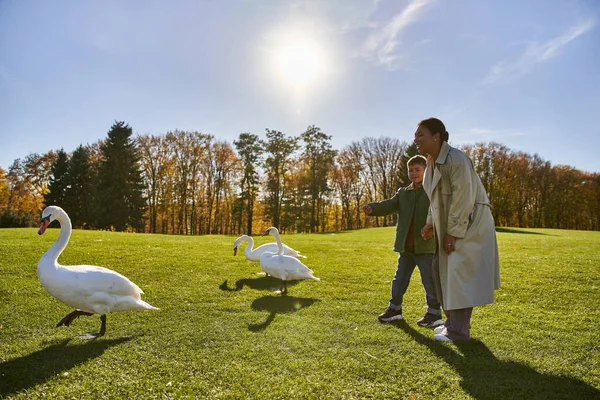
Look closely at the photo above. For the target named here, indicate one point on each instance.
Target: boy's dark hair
(417, 160)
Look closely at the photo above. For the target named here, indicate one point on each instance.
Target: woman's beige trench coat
(460, 207)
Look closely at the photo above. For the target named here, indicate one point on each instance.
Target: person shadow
(262, 283)
(485, 377)
(36, 368)
(278, 305)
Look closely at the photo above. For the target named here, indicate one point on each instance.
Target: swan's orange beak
(235, 251)
(43, 226)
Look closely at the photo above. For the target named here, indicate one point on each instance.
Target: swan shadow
(262, 283)
(278, 305)
(33, 369)
(486, 377)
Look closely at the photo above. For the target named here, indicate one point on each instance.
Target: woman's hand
(367, 209)
(449, 244)
(427, 232)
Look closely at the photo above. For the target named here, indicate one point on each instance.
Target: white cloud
(382, 45)
(534, 54)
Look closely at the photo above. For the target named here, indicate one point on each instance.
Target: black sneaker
(430, 321)
(390, 315)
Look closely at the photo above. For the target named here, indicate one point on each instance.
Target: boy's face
(415, 173)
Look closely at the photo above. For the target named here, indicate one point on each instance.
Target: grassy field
(222, 331)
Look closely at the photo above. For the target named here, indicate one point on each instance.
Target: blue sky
(525, 73)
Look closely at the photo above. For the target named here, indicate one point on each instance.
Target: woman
(465, 267)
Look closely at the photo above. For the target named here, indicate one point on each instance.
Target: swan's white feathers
(254, 254)
(286, 268)
(86, 287)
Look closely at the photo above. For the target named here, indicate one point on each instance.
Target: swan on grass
(87, 288)
(280, 266)
(254, 254)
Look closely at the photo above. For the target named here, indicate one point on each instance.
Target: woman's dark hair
(435, 126)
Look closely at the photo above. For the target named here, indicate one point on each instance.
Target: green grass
(222, 332)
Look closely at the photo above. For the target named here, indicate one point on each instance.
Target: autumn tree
(347, 180)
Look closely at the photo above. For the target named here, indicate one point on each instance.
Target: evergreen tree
(411, 151)
(121, 200)
(80, 196)
(250, 149)
(59, 182)
(279, 149)
(318, 157)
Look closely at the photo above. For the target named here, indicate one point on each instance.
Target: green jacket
(406, 201)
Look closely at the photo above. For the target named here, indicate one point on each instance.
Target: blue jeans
(406, 265)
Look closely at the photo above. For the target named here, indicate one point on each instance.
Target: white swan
(254, 254)
(87, 288)
(284, 267)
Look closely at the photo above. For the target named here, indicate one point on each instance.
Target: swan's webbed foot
(284, 290)
(68, 319)
(96, 335)
(90, 335)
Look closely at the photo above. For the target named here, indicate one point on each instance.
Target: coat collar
(444, 150)
(411, 186)
(432, 177)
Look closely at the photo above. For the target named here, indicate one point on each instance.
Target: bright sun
(299, 63)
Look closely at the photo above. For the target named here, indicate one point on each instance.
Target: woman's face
(425, 141)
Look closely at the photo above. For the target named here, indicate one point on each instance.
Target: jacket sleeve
(463, 197)
(386, 207)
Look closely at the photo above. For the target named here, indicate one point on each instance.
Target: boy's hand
(427, 232)
(367, 209)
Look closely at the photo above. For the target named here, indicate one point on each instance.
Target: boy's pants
(406, 265)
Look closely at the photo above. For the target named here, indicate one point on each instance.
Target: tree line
(187, 182)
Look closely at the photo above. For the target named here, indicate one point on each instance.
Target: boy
(411, 204)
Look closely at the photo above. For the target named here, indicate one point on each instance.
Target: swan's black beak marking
(44, 224)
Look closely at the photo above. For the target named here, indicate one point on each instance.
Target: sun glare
(299, 63)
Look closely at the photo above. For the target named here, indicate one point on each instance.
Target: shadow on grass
(278, 305)
(262, 283)
(510, 230)
(486, 377)
(36, 368)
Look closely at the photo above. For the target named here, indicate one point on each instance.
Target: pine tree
(411, 151)
(59, 182)
(279, 150)
(121, 200)
(318, 157)
(250, 149)
(80, 193)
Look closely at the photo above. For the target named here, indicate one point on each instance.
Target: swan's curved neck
(250, 246)
(279, 244)
(60, 244)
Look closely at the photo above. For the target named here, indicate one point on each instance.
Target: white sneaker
(442, 338)
(439, 329)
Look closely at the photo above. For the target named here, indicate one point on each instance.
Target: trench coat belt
(484, 203)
